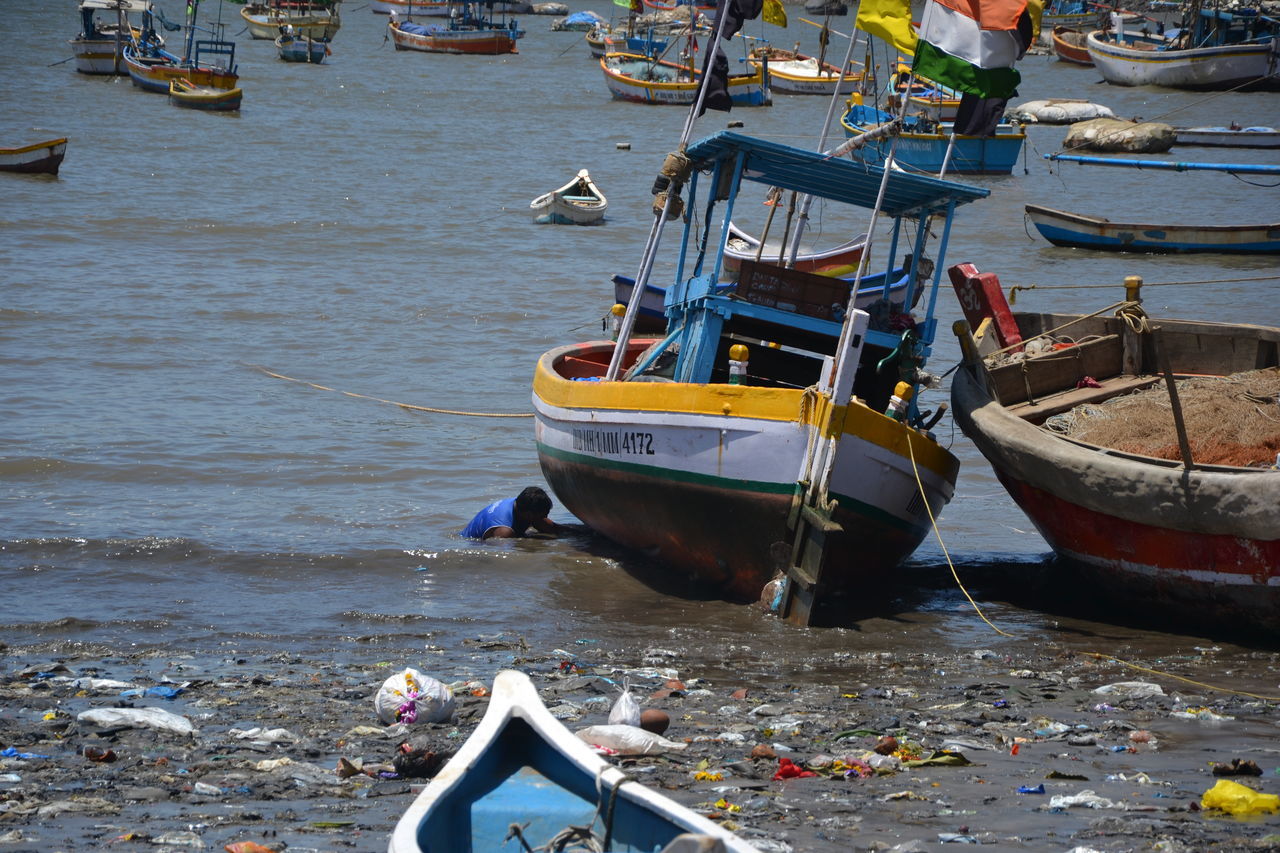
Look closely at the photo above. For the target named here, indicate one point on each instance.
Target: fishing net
(1231, 420)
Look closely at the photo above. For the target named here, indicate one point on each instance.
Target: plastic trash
(627, 740)
(626, 710)
(1085, 798)
(11, 752)
(1237, 799)
(142, 718)
(1131, 689)
(159, 691)
(411, 697)
(1031, 789)
(261, 735)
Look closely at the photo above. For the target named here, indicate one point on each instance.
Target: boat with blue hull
(925, 145)
(1092, 232)
(523, 769)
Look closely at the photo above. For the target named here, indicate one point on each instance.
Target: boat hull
(486, 42)
(41, 158)
(1087, 232)
(1226, 137)
(302, 50)
(155, 73)
(205, 97)
(1244, 66)
(797, 74)
(99, 55)
(926, 152)
(1203, 544)
(1069, 46)
(749, 90)
(267, 22)
(701, 477)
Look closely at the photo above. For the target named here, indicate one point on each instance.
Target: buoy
(738, 355)
(735, 124)
(624, 146)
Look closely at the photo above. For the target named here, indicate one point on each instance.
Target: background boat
(1092, 232)
(292, 48)
(37, 158)
(644, 80)
(1069, 46)
(578, 202)
(1198, 542)
(473, 32)
(1228, 137)
(318, 19)
(925, 145)
(104, 29)
(794, 73)
(184, 93)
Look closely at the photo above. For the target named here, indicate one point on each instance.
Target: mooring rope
(409, 406)
(1014, 290)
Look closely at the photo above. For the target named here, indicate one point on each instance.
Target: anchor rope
(409, 406)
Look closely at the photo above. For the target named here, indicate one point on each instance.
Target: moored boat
(104, 30)
(1193, 539)
(207, 63)
(184, 93)
(413, 8)
(578, 202)
(294, 48)
(471, 32)
(699, 448)
(522, 768)
(924, 97)
(1092, 232)
(42, 158)
(794, 73)
(645, 80)
(1223, 50)
(927, 146)
(1069, 46)
(1232, 136)
(317, 19)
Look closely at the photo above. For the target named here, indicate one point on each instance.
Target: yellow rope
(1180, 678)
(409, 406)
(934, 522)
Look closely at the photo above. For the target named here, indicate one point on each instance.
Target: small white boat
(39, 158)
(1228, 137)
(522, 768)
(578, 202)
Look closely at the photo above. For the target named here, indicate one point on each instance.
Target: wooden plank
(1064, 401)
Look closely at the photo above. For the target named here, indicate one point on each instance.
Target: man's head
(532, 505)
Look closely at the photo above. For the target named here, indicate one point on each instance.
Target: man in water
(507, 519)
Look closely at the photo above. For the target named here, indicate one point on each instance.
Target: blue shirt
(497, 514)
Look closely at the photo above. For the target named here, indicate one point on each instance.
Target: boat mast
(667, 188)
(191, 30)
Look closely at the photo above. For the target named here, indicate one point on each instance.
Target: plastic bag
(628, 740)
(411, 697)
(1237, 799)
(150, 718)
(625, 711)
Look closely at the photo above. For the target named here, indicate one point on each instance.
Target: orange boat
(1069, 45)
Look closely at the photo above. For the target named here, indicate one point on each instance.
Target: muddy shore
(1045, 761)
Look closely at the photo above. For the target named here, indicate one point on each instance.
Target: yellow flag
(890, 20)
(1036, 9)
(774, 13)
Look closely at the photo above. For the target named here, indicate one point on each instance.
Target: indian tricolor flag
(971, 45)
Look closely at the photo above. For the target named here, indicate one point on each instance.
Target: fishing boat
(651, 316)
(316, 19)
(473, 31)
(208, 63)
(522, 768)
(645, 80)
(42, 158)
(1074, 14)
(698, 448)
(184, 93)
(602, 40)
(664, 6)
(794, 73)
(104, 31)
(1232, 136)
(926, 145)
(1224, 50)
(1069, 46)
(1198, 541)
(1092, 232)
(294, 48)
(579, 202)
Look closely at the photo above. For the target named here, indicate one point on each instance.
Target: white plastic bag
(411, 697)
(625, 711)
(628, 740)
(146, 718)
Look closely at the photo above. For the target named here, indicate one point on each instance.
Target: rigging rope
(1014, 290)
(409, 406)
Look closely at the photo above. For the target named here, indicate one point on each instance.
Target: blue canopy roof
(843, 180)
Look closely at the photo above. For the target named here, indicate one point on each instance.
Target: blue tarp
(416, 29)
(584, 18)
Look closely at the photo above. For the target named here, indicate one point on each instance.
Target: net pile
(1232, 420)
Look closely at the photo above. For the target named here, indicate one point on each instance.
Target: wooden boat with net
(1169, 501)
